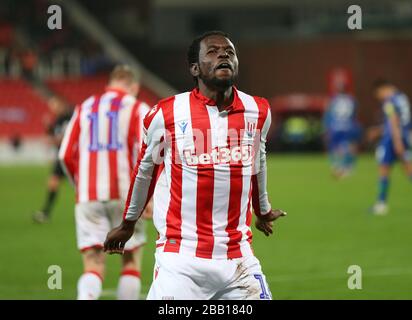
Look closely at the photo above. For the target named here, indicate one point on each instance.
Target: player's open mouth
(224, 65)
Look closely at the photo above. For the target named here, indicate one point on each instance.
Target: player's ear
(134, 89)
(194, 69)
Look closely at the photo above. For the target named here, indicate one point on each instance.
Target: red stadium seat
(22, 110)
(6, 34)
(76, 90)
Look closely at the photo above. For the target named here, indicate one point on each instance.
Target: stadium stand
(76, 90)
(22, 109)
(36, 62)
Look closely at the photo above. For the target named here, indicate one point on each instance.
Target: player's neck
(223, 98)
(116, 87)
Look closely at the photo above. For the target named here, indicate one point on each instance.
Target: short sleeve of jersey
(389, 108)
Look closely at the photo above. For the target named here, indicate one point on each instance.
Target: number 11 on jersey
(114, 144)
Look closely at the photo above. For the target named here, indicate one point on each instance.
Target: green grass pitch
(327, 230)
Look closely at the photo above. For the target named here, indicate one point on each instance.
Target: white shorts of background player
(96, 218)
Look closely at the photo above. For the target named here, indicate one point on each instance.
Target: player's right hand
(117, 238)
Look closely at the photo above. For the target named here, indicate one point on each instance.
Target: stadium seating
(22, 110)
(76, 90)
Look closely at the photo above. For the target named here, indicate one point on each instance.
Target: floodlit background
(294, 53)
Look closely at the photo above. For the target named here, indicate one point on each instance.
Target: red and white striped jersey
(211, 165)
(101, 144)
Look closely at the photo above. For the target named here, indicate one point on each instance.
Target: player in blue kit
(395, 141)
(342, 132)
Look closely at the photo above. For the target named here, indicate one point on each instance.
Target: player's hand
(264, 223)
(400, 150)
(373, 134)
(117, 238)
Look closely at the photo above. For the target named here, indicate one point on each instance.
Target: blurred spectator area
(285, 67)
(6, 34)
(67, 62)
(29, 48)
(22, 110)
(24, 115)
(76, 90)
(297, 122)
(284, 47)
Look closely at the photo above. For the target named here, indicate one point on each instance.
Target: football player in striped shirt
(206, 148)
(395, 142)
(98, 153)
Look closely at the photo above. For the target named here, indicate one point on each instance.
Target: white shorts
(181, 277)
(95, 219)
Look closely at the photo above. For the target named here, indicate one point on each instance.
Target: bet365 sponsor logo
(222, 155)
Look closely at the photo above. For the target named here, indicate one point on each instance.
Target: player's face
(218, 63)
(382, 93)
(378, 94)
(133, 89)
(56, 106)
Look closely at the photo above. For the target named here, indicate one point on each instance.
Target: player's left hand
(264, 223)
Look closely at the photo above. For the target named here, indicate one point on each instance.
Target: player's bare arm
(373, 133)
(397, 136)
(57, 140)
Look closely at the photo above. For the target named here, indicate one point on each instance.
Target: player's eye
(214, 49)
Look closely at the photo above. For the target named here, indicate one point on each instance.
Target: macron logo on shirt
(183, 125)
